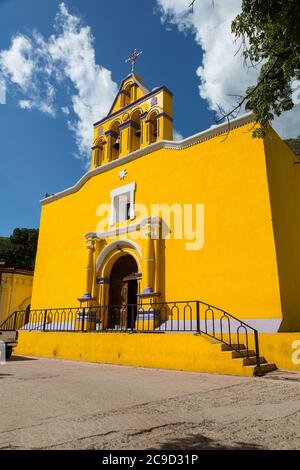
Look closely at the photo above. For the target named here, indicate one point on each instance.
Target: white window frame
(115, 193)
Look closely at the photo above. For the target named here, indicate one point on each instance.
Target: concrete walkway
(55, 404)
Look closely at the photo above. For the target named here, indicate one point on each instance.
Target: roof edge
(131, 105)
(167, 144)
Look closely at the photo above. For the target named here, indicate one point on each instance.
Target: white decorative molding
(262, 325)
(163, 144)
(122, 174)
(123, 189)
(112, 247)
(115, 193)
(144, 223)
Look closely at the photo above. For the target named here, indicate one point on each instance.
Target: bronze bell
(117, 143)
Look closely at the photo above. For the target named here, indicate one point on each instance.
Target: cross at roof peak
(133, 58)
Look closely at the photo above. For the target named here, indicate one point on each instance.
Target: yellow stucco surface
(167, 351)
(236, 269)
(15, 291)
(283, 172)
(173, 351)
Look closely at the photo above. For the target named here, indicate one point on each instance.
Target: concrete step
(248, 361)
(225, 347)
(243, 353)
(238, 353)
(264, 368)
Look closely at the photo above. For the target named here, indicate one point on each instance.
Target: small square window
(122, 204)
(128, 210)
(122, 207)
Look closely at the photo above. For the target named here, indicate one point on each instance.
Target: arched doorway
(123, 294)
(27, 314)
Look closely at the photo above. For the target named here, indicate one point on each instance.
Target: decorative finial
(122, 174)
(132, 59)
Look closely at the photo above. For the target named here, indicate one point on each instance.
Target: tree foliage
(19, 250)
(294, 144)
(270, 32)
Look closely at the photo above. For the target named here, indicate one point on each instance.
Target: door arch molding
(114, 247)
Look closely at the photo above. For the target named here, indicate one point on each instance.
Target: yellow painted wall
(250, 262)
(236, 269)
(15, 292)
(284, 186)
(173, 351)
(282, 349)
(126, 83)
(167, 351)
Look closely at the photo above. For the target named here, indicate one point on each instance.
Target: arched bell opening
(153, 127)
(115, 140)
(127, 95)
(98, 155)
(136, 137)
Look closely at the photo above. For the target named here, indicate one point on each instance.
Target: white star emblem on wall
(122, 174)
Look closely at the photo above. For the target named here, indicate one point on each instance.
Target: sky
(60, 67)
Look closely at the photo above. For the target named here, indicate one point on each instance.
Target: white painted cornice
(163, 144)
(152, 222)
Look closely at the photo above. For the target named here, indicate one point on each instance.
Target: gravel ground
(55, 404)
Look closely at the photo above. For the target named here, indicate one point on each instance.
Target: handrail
(157, 317)
(9, 317)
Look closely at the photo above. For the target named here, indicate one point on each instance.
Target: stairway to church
(247, 358)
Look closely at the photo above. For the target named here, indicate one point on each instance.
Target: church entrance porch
(123, 294)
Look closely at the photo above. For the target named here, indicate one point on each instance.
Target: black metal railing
(155, 317)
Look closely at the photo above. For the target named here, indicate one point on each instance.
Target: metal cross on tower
(132, 59)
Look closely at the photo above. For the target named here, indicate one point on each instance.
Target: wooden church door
(122, 294)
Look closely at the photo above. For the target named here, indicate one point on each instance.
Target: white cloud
(2, 91)
(288, 124)
(17, 62)
(177, 135)
(25, 104)
(65, 110)
(222, 72)
(40, 66)
(72, 50)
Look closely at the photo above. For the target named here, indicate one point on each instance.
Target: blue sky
(46, 87)
(37, 149)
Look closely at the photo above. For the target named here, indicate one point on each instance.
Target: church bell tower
(138, 117)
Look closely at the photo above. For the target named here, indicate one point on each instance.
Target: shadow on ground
(200, 442)
(2, 376)
(21, 358)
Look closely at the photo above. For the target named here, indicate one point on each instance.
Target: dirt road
(53, 404)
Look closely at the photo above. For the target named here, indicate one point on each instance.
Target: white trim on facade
(163, 144)
(116, 193)
(262, 325)
(112, 247)
(152, 221)
(123, 189)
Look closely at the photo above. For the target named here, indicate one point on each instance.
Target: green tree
(269, 31)
(19, 250)
(294, 144)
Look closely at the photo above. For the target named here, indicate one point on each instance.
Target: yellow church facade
(159, 229)
(243, 192)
